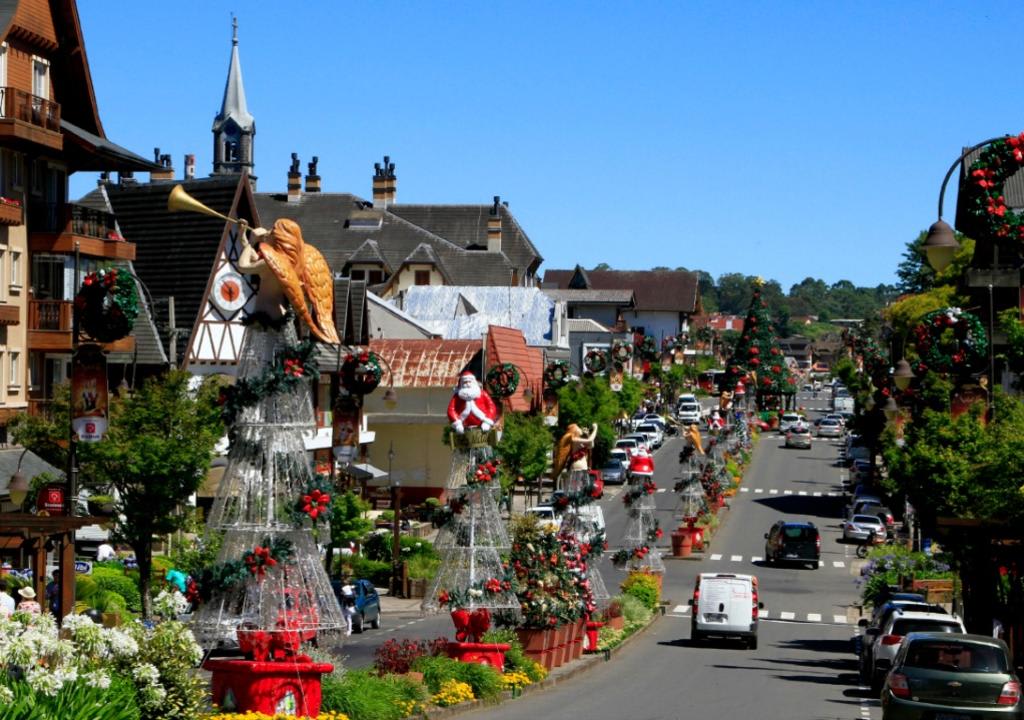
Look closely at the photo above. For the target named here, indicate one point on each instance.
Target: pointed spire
(234, 106)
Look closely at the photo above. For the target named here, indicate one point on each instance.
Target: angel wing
(291, 283)
(694, 434)
(320, 289)
(562, 453)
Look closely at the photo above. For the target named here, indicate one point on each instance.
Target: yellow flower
(453, 692)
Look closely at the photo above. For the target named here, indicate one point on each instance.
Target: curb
(582, 665)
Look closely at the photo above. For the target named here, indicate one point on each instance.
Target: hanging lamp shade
(940, 246)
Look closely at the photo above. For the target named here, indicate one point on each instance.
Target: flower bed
(891, 564)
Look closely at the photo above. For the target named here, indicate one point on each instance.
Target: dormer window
(40, 77)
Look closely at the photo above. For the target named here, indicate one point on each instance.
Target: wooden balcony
(57, 228)
(10, 314)
(29, 118)
(11, 211)
(50, 324)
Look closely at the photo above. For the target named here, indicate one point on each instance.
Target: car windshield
(799, 532)
(867, 520)
(903, 626)
(829, 423)
(790, 417)
(688, 407)
(955, 657)
(613, 467)
(647, 428)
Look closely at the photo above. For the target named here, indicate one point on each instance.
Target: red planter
(580, 640)
(538, 645)
(492, 654)
(682, 543)
(617, 623)
(267, 687)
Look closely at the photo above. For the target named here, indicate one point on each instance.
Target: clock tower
(234, 129)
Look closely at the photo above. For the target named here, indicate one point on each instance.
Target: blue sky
(786, 139)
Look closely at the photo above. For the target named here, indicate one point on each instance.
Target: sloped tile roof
(507, 345)
(671, 290)
(427, 363)
(591, 297)
(368, 252)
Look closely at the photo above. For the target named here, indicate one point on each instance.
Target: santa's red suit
(471, 406)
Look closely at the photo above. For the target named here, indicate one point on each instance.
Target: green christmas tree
(759, 359)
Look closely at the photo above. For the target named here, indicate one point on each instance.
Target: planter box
(492, 654)
(934, 591)
(617, 623)
(417, 587)
(267, 687)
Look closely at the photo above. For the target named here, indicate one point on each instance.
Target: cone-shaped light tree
(759, 358)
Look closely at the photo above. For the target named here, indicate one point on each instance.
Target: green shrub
(644, 588)
(379, 547)
(422, 567)
(379, 573)
(485, 680)
(515, 658)
(75, 701)
(170, 647)
(123, 585)
(192, 556)
(633, 610)
(363, 695)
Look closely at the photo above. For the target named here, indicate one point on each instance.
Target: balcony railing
(72, 218)
(19, 105)
(54, 315)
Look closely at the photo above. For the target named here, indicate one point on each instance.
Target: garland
(502, 380)
(621, 557)
(482, 589)
(291, 366)
(950, 340)
(107, 305)
(635, 491)
(483, 473)
(361, 374)
(595, 362)
(655, 533)
(222, 577)
(556, 374)
(267, 322)
(983, 193)
(622, 351)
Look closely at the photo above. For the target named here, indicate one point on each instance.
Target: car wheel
(815, 565)
(376, 621)
(696, 636)
(752, 643)
(357, 623)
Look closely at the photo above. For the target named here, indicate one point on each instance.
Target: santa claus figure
(471, 406)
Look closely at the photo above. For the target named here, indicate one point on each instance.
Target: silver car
(830, 428)
(798, 436)
(859, 528)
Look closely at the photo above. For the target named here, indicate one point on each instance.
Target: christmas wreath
(648, 348)
(107, 305)
(950, 340)
(556, 374)
(291, 366)
(361, 374)
(502, 380)
(984, 187)
(595, 362)
(482, 473)
(253, 563)
(622, 351)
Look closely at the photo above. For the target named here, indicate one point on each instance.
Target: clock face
(229, 292)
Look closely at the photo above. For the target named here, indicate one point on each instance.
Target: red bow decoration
(259, 560)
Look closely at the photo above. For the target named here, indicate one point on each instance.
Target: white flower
(6, 695)
(43, 681)
(121, 644)
(170, 603)
(146, 673)
(97, 679)
(476, 592)
(152, 695)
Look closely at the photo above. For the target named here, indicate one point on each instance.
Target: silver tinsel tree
(639, 551)
(582, 526)
(259, 503)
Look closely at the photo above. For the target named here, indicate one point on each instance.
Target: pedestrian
(53, 595)
(28, 601)
(998, 631)
(105, 552)
(348, 603)
(6, 601)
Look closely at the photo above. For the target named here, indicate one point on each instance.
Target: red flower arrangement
(258, 560)
(293, 367)
(315, 503)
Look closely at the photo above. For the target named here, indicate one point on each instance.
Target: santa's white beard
(469, 393)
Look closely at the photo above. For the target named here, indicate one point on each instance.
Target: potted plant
(613, 615)
(101, 505)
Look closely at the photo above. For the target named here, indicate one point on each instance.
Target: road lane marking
(756, 559)
(839, 619)
(787, 492)
(758, 491)
(716, 556)
(787, 615)
(681, 609)
(817, 494)
(838, 564)
(736, 558)
(763, 615)
(661, 490)
(813, 617)
(744, 489)
(773, 491)
(833, 494)
(802, 492)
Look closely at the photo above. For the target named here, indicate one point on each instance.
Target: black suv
(796, 542)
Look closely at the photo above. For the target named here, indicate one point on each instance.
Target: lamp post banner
(346, 424)
(89, 394)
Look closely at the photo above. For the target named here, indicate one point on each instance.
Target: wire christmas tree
(759, 357)
(584, 538)
(638, 552)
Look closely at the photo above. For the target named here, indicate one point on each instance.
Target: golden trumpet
(180, 200)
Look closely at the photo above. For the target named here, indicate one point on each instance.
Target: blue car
(367, 607)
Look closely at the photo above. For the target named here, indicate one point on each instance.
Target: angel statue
(573, 450)
(290, 269)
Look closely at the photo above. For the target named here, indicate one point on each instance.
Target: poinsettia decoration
(983, 192)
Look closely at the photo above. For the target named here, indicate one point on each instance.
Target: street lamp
(903, 375)
(396, 527)
(891, 409)
(18, 487)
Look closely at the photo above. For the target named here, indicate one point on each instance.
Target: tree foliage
(348, 518)
(592, 401)
(525, 446)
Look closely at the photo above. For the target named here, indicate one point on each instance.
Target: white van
(725, 604)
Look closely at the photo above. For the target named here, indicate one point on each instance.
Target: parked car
(656, 419)
(886, 644)
(881, 512)
(545, 514)
(367, 607)
(629, 444)
(796, 542)
(830, 428)
(898, 602)
(790, 419)
(798, 436)
(937, 675)
(655, 436)
(617, 453)
(641, 440)
(860, 528)
(725, 605)
(854, 508)
(614, 472)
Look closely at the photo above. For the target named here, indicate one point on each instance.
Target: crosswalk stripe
(833, 494)
(839, 619)
(758, 491)
(736, 558)
(787, 615)
(817, 494)
(682, 609)
(773, 491)
(813, 617)
(716, 556)
(838, 563)
(787, 492)
(744, 489)
(661, 490)
(756, 559)
(763, 614)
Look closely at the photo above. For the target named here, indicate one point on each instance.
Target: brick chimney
(164, 161)
(385, 185)
(190, 167)
(313, 180)
(494, 227)
(294, 180)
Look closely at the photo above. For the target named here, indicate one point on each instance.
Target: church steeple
(234, 129)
